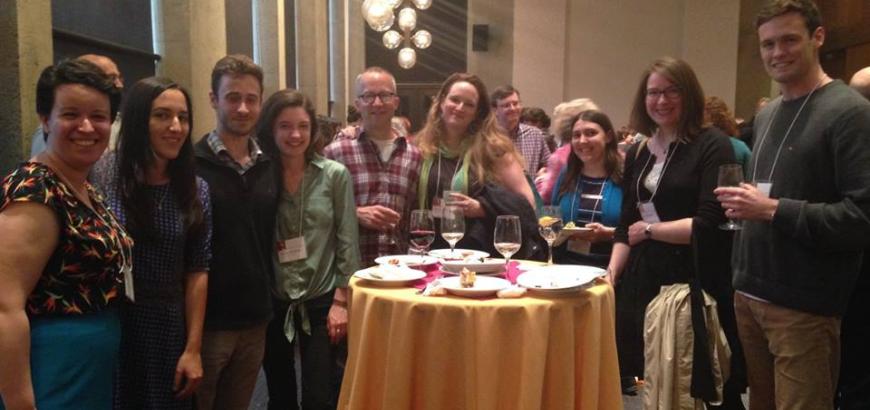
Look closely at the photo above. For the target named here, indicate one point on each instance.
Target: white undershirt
(385, 148)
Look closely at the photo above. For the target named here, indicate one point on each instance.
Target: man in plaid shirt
(529, 140)
(384, 167)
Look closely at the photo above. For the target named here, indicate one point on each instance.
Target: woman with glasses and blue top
(588, 191)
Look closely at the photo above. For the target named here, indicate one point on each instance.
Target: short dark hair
(272, 108)
(775, 8)
(235, 65)
(75, 71)
(537, 116)
(681, 74)
(501, 93)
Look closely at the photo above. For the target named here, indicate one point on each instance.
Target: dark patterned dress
(153, 329)
(72, 309)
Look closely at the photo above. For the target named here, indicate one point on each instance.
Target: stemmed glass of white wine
(507, 237)
(730, 175)
(452, 226)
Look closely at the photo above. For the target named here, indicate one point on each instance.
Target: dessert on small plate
(457, 254)
(482, 286)
(559, 278)
(390, 275)
(411, 261)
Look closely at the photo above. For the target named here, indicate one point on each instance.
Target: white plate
(392, 277)
(411, 261)
(566, 233)
(559, 278)
(487, 266)
(457, 254)
(483, 286)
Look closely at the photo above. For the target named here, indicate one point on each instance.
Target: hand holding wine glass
(507, 237)
(452, 226)
(422, 227)
(730, 175)
(549, 226)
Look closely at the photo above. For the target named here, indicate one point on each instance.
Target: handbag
(686, 354)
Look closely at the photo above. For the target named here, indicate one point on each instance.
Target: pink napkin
(434, 272)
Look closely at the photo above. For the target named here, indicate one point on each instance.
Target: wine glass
(507, 237)
(452, 225)
(422, 227)
(730, 175)
(387, 243)
(549, 226)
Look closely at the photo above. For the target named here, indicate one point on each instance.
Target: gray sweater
(808, 257)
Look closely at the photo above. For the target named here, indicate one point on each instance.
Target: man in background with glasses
(384, 167)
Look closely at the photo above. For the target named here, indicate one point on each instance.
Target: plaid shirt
(216, 145)
(392, 184)
(532, 144)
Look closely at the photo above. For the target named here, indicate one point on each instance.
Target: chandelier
(380, 17)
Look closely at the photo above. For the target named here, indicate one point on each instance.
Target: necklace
(162, 198)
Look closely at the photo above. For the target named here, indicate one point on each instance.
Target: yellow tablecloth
(408, 351)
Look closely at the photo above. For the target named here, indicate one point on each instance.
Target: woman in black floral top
(62, 253)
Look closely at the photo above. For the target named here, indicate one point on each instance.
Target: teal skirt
(72, 360)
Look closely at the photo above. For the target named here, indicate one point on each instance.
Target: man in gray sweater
(805, 217)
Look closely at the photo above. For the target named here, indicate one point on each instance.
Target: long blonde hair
(488, 143)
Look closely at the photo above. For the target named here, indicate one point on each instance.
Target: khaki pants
(231, 361)
(792, 357)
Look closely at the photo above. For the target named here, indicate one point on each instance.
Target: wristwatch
(648, 231)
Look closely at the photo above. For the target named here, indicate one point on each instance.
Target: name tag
(128, 283)
(648, 212)
(764, 188)
(579, 246)
(292, 249)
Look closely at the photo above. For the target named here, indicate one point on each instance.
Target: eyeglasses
(670, 93)
(369, 98)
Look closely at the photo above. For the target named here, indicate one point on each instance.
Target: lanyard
(668, 159)
(787, 132)
(577, 193)
(438, 173)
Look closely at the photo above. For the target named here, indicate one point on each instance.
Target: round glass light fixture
(407, 19)
(407, 57)
(392, 39)
(393, 3)
(422, 4)
(378, 14)
(422, 39)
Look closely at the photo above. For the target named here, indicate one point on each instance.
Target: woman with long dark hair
(317, 249)
(150, 184)
(588, 190)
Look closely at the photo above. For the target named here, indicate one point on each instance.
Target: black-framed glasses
(670, 93)
(369, 98)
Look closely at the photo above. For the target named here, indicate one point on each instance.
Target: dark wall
(447, 20)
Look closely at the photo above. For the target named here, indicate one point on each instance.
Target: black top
(808, 257)
(243, 219)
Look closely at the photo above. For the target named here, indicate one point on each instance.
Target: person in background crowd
(561, 129)
(668, 194)
(805, 213)
(151, 185)
(853, 390)
(464, 151)
(537, 118)
(242, 185)
(528, 140)
(59, 327)
(588, 190)
(717, 114)
(38, 139)
(384, 167)
(746, 127)
(317, 250)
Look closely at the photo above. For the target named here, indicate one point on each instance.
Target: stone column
(25, 35)
(190, 35)
(269, 44)
(312, 49)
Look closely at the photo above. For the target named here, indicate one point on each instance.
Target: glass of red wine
(422, 227)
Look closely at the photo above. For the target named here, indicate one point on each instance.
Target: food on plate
(467, 278)
(570, 225)
(546, 221)
(394, 261)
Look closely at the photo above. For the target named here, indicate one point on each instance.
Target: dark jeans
(322, 363)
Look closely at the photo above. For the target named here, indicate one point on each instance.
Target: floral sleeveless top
(84, 273)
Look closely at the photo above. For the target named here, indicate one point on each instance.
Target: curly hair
(717, 114)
